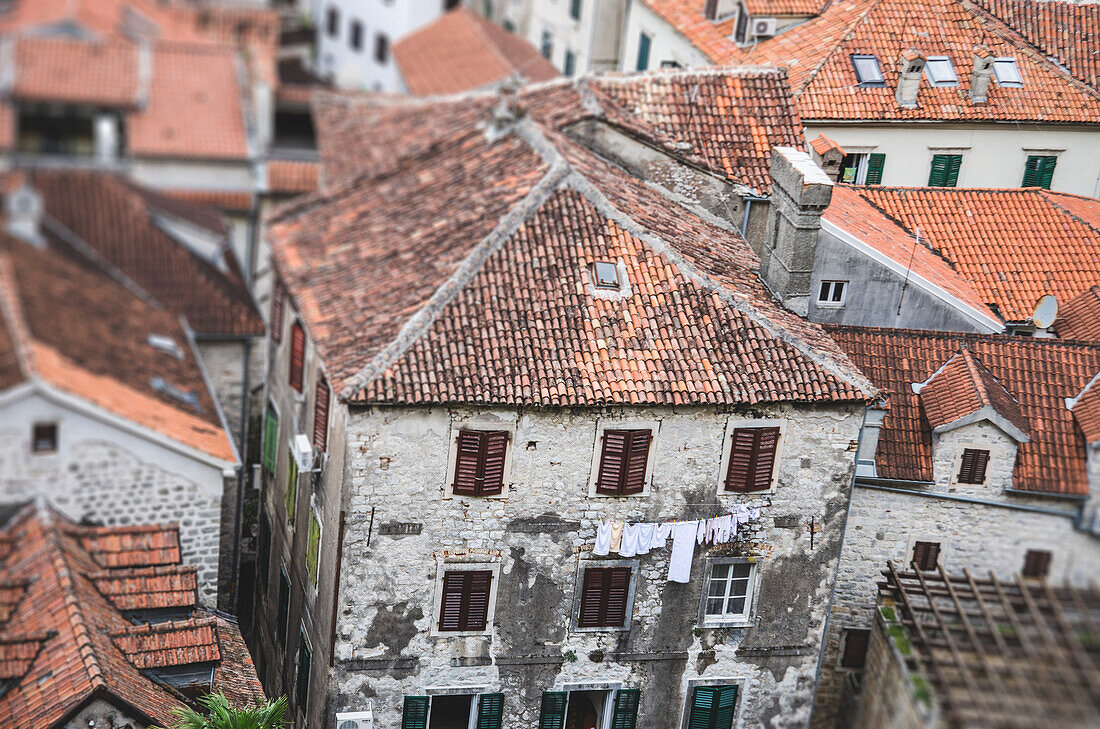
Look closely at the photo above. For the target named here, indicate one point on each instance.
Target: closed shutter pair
(945, 170)
(554, 704)
(297, 355)
(479, 463)
(712, 707)
(926, 555)
(465, 602)
(623, 462)
(490, 712)
(974, 462)
(752, 459)
(604, 594)
(1039, 171)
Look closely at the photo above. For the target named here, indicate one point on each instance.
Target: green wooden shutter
(271, 435)
(1031, 171)
(723, 711)
(313, 547)
(1046, 172)
(415, 713)
(703, 700)
(875, 163)
(643, 52)
(626, 709)
(945, 170)
(954, 164)
(490, 711)
(291, 489)
(552, 714)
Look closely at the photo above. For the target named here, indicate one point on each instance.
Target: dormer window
(972, 468)
(1007, 72)
(606, 275)
(868, 70)
(940, 71)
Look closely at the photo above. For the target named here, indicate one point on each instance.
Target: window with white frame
(832, 293)
(868, 71)
(940, 71)
(1007, 72)
(729, 591)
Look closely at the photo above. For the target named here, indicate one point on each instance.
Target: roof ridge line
(416, 325)
(976, 380)
(595, 196)
(82, 632)
(11, 311)
(1073, 215)
(834, 50)
(918, 239)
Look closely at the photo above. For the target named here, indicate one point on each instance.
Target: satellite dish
(1046, 311)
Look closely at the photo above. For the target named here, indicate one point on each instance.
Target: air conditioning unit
(356, 719)
(302, 450)
(764, 27)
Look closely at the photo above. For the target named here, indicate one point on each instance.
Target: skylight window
(165, 344)
(188, 397)
(868, 71)
(940, 71)
(1007, 72)
(607, 275)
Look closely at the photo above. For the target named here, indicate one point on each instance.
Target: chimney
(827, 155)
(910, 69)
(23, 213)
(983, 72)
(800, 193)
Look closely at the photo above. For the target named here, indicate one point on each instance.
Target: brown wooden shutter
(612, 461)
(479, 462)
(855, 648)
(278, 294)
(637, 458)
(974, 462)
(752, 459)
(297, 355)
(320, 415)
(604, 593)
(1036, 563)
(926, 555)
(465, 601)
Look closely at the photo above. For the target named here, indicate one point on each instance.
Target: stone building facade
(1028, 513)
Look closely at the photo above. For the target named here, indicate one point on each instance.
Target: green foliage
(570, 656)
(218, 714)
(888, 614)
(901, 639)
(921, 689)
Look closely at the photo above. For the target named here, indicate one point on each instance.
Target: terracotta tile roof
(486, 298)
(134, 546)
(817, 55)
(1039, 373)
(80, 331)
(148, 588)
(11, 594)
(785, 7)
(731, 117)
(175, 643)
(77, 71)
(963, 387)
(293, 177)
(712, 39)
(1069, 32)
(823, 144)
(59, 648)
(851, 212)
(1012, 246)
(120, 221)
(460, 51)
(1079, 318)
(233, 201)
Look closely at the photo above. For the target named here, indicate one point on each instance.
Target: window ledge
(727, 623)
(575, 629)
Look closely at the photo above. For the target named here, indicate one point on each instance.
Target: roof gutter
(900, 486)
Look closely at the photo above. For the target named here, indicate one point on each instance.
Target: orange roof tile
(963, 387)
(802, 8)
(817, 55)
(460, 51)
(77, 71)
(132, 546)
(60, 647)
(1079, 318)
(1069, 32)
(229, 200)
(147, 588)
(1040, 374)
(823, 144)
(83, 333)
(710, 38)
(1012, 246)
(293, 177)
(850, 211)
(507, 316)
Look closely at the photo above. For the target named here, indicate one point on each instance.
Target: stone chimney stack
(983, 73)
(23, 213)
(910, 69)
(800, 193)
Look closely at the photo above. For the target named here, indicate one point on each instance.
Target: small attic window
(606, 275)
(188, 397)
(1007, 72)
(868, 70)
(940, 71)
(165, 344)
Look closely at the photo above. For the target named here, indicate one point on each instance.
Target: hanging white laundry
(724, 527)
(664, 531)
(712, 530)
(700, 533)
(742, 512)
(603, 539)
(683, 550)
(754, 513)
(628, 546)
(647, 538)
(616, 535)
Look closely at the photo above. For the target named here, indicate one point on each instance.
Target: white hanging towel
(647, 538)
(700, 531)
(727, 529)
(603, 539)
(628, 546)
(683, 551)
(664, 531)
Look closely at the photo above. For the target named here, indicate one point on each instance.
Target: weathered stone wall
(225, 366)
(100, 714)
(884, 525)
(101, 482)
(539, 531)
(889, 702)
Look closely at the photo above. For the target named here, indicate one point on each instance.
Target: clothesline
(628, 540)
